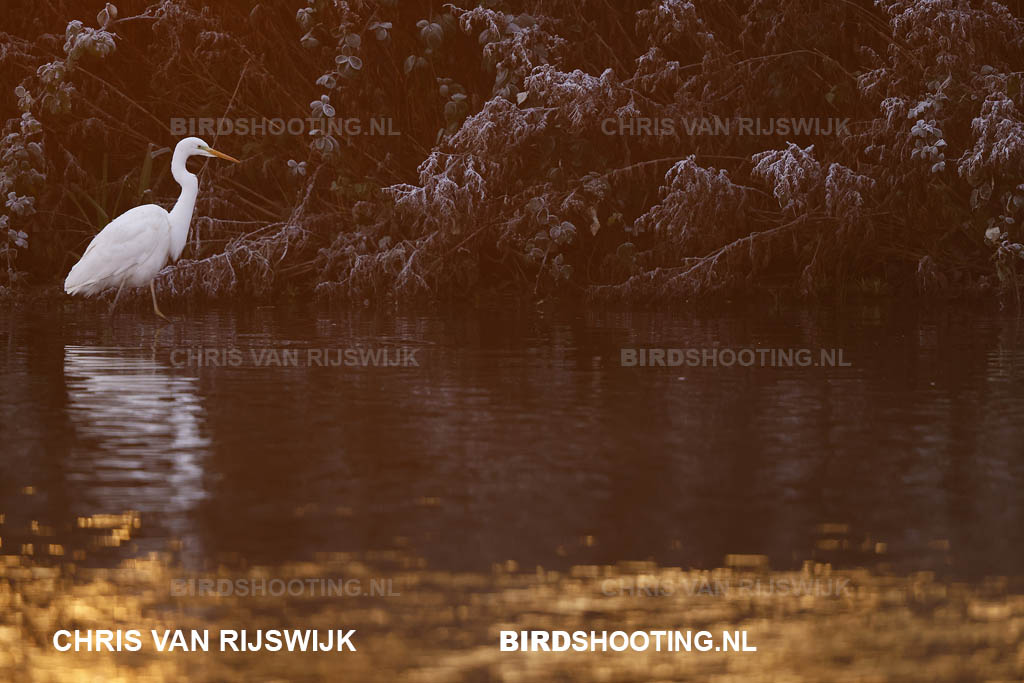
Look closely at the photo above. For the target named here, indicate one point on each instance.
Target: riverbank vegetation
(635, 151)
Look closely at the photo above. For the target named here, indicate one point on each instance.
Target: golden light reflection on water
(810, 625)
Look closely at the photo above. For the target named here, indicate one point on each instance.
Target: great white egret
(136, 245)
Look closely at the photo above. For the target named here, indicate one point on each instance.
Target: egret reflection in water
(138, 428)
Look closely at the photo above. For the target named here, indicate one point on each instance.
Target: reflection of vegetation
(506, 173)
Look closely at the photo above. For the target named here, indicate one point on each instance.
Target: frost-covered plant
(339, 24)
(581, 101)
(456, 107)
(296, 168)
(479, 161)
(456, 184)
(697, 205)
(846, 196)
(22, 151)
(929, 145)
(12, 241)
(22, 165)
(794, 176)
(1007, 256)
(81, 39)
(998, 145)
(803, 187)
(323, 142)
(936, 39)
(677, 26)
(993, 166)
(513, 46)
(545, 250)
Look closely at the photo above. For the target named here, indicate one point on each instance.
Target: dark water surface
(517, 435)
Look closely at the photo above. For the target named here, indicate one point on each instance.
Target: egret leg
(152, 290)
(117, 296)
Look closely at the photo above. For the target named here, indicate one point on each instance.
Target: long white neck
(181, 214)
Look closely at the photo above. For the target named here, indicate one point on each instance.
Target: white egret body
(134, 247)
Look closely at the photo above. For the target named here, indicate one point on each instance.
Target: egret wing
(129, 241)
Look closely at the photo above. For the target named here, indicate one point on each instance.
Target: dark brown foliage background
(504, 177)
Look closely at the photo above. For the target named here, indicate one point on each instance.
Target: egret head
(198, 147)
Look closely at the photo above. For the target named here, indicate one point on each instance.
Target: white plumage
(134, 247)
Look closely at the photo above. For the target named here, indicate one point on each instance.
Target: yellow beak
(222, 155)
